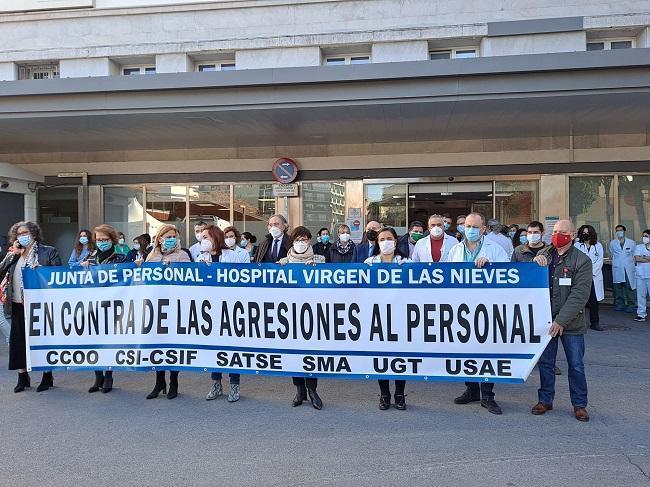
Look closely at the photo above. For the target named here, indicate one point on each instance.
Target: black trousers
(308, 383)
(384, 387)
(160, 375)
(484, 390)
(592, 306)
(17, 347)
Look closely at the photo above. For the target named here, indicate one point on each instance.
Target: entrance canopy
(576, 93)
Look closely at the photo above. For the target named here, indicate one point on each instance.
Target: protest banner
(414, 321)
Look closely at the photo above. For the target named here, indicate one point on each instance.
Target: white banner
(415, 321)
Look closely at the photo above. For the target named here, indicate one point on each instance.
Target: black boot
(467, 397)
(301, 395)
(23, 381)
(315, 399)
(99, 381)
(400, 402)
(173, 385)
(384, 402)
(107, 386)
(161, 386)
(46, 382)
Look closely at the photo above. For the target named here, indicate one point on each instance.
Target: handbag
(4, 285)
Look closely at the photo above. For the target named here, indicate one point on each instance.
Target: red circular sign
(285, 170)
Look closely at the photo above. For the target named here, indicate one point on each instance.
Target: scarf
(343, 248)
(295, 258)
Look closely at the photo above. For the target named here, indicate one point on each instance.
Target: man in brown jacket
(570, 276)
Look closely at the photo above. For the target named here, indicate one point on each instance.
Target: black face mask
(372, 235)
(585, 237)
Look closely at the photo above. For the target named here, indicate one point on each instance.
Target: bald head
(564, 226)
(373, 225)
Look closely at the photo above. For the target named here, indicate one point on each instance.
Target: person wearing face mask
(533, 245)
(589, 244)
(642, 259)
(447, 226)
(388, 252)
(26, 250)
(367, 246)
(407, 242)
(82, 247)
(342, 250)
(139, 252)
(276, 244)
(301, 252)
(520, 238)
(195, 249)
(105, 238)
(460, 227)
(167, 249)
(512, 233)
(477, 248)
(120, 246)
(323, 244)
(570, 283)
(221, 246)
(623, 274)
(435, 247)
(247, 243)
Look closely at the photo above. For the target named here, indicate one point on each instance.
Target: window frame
(143, 69)
(347, 59)
(218, 65)
(50, 67)
(453, 52)
(607, 43)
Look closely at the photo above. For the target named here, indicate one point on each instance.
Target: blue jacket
(361, 252)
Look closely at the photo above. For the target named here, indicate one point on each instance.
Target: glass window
(38, 71)
(433, 55)
(151, 70)
(58, 210)
(335, 61)
(253, 206)
(591, 202)
(228, 67)
(136, 70)
(634, 204)
(516, 202)
(123, 209)
(166, 204)
(207, 67)
(347, 59)
(203, 68)
(621, 45)
(210, 204)
(359, 59)
(595, 46)
(386, 203)
(465, 53)
(323, 205)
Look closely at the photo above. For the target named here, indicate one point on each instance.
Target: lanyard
(471, 256)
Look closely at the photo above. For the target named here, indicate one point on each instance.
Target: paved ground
(67, 437)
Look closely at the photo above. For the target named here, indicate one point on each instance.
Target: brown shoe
(540, 408)
(581, 413)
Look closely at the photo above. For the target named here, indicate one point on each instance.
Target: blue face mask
(25, 240)
(169, 243)
(83, 240)
(620, 234)
(243, 243)
(325, 239)
(461, 228)
(447, 226)
(473, 234)
(512, 234)
(104, 246)
(523, 239)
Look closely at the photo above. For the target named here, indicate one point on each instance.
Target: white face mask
(387, 246)
(437, 231)
(534, 237)
(230, 242)
(646, 240)
(199, 236)
(206, 245)
(275, 232)
(300, 247)
(344, 237)
(136, 246)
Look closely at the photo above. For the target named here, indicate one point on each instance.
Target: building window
(166, 204)
(347, 59)
(221, 66)
(516, 202)
(136, 70)
(591, 202)
(386, 203)
(253, 205)
(124, 210)
(606, 45)
(38, 71)
(210, 204)
(462, 53)
(634, 204)
(58, 216)
(323, 205)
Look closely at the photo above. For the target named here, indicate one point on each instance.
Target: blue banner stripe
(360, 353)
(328, 276)
(430, 378)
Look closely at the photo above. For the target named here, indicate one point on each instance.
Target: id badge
(565, 281)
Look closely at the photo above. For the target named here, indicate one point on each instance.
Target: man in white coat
(435, 247)
(476, 248)
(623, 272)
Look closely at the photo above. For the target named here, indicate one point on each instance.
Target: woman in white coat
(623, 272)
(589, 244)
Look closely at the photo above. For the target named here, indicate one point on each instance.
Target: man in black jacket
(276, 244)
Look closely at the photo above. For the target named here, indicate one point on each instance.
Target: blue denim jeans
(574, 349)
(234, 378)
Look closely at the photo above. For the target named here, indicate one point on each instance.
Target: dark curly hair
(34, 230)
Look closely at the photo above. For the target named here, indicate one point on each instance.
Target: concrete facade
(79, 68)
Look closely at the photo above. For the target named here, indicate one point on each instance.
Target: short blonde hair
(108, 230)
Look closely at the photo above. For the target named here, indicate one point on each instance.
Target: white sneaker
(234, 393)
(215, 391)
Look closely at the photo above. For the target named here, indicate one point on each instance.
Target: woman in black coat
(341, 251)
(27, 250)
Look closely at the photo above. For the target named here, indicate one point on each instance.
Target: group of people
(572, 259)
